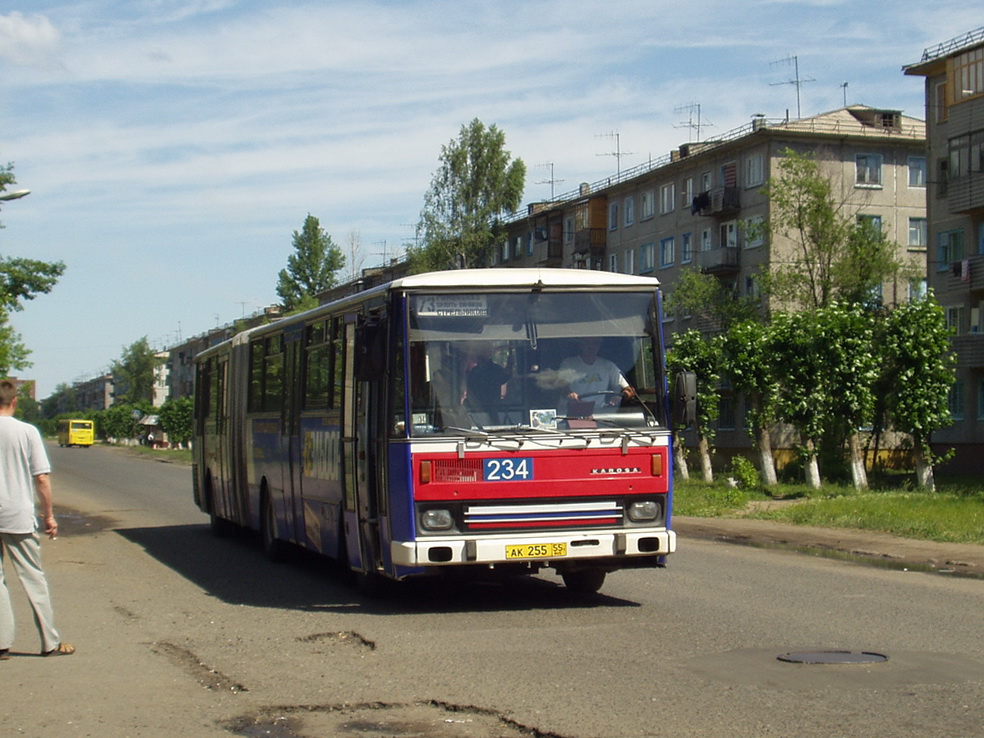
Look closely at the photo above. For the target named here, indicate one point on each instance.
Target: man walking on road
(24, 468)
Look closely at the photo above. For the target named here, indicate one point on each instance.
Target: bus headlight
(436, 519)
(644, 511)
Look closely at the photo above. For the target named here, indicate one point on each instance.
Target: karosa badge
(618, 470)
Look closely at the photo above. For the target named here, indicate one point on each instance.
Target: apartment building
(954, 89)
(704, 206)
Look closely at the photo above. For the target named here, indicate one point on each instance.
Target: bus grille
(585, 514)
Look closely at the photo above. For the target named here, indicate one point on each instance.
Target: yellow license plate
(536, 550)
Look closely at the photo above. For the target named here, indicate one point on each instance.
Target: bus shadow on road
(236, 571)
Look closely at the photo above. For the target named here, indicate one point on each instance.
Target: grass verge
(954, 513)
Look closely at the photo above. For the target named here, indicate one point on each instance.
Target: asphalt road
(180, 633)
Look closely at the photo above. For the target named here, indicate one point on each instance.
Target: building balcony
(970, 350)
(965, 195)
(718, 201)
(590, 241)
(719, 261)
(966, 275)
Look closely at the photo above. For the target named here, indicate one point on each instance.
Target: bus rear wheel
(273, 547)
(584, 581)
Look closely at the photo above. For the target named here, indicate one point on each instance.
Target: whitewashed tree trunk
(812, 466)
(680, 457)
(703, 447)
(767, 462)
(858, 473)
(924, 470)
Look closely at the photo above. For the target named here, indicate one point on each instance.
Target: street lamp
(15, 195)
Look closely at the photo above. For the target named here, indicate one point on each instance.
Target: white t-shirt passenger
(22, 457)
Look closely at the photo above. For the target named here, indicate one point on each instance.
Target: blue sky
(173, 146)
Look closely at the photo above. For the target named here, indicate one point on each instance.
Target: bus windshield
(533, 361)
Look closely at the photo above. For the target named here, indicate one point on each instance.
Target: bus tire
(584, 581)
(273, 547)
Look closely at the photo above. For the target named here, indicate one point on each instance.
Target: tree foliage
(20, 279)
(837, 256)
(706, 298)
(475, 186)
(694, 352)
(177, 419)
(134, 373)
(311, 269)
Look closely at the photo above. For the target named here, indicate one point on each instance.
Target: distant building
(954, 89)
(704, 206)
(94, 394)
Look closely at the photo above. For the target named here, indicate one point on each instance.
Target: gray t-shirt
(22, 457)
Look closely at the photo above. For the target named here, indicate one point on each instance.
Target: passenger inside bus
(486, 382)
(592, 380)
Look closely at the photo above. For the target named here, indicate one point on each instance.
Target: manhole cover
(833, 657)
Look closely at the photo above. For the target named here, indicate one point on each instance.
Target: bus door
(364, 356)
(290, 439)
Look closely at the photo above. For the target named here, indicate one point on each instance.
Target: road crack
(212, 679)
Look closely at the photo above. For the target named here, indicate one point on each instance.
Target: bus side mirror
(685, 399)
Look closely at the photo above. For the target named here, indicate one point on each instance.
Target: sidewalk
(965, 559)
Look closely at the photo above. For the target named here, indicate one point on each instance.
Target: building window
(917, 171)
(667, 253)
(529, 244)
(918, 234)
(518, 247)
(613, 262)
(870, 222)
(955, 400)
(967, 75)
(939, 102)
(954, 319)
(647, 202)
(729, 234)
(705, 240)
(949, 249)
(687, 195)
(705, 182)
(569, 229)
(754, 232)
(726, 416)
(754, 172)
(667, 195)
(629, 206)
(686, 249)
(647, 254)
(629, 262)
(918, 289)
(613, 216)
(868, 170)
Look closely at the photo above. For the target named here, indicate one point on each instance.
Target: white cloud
(29, 40)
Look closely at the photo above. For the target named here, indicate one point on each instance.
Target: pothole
(348, 637)
(382, 720)
(212, 679)
(833, 657)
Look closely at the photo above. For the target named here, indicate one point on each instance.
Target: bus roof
(495, 278)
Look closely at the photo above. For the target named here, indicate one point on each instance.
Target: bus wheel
(273, 547)
(584, 581)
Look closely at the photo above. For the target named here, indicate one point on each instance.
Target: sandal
(4, 654)
(62, 649)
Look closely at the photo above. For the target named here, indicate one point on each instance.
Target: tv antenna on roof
(550, 181)
(618, 153)
(693, 110)
(794, 61)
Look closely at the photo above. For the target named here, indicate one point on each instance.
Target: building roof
(934, 56)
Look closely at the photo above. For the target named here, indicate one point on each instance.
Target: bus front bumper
(609, 547)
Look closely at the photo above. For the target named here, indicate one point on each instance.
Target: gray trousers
(24, 552)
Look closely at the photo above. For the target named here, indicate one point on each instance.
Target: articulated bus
(76, 433)
(433, 425)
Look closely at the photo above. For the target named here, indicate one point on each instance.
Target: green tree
(836, 255)
(311, 269)
(694, 352)
(135, 373)
(475, 186)
(176, 417)
(706, 298)
(13, 353)
(748, 363)
(20, 279)
(119, 422)
(919, 370)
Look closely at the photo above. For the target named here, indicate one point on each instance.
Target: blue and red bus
(432, 425)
